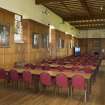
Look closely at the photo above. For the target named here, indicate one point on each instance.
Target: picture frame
(4, 35)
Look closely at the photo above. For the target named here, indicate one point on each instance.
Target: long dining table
(70, 66)
(53, 73)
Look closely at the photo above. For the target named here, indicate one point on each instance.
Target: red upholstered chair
(14, 77)
(46, 80)
(62, 83)
(27, 66)
(79, 83)
(3, 76)
(27, 79)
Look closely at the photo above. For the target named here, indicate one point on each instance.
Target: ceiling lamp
(101, 8)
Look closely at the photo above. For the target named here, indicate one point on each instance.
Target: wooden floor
(19, 97)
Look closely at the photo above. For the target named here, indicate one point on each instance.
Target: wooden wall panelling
(60, 52)
(69, 49)
(75, 41)
(83, 43)
(34, 55)
(94, 45)
(91, 45)
(66, 44)
(103, 43)
(7, 55)
(53, 44)
(103, 47)
(26, 40)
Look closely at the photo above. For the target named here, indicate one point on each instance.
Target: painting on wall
(18, 35)
(4, 36)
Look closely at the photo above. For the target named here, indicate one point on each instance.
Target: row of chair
(62, 82)
(14, 77)
(59, 82)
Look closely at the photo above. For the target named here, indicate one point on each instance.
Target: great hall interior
(52, 52)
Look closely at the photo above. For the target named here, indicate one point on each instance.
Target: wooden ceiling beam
(84, 4)
(87, 22)
(89, 25)
(66, 7)
(77, 18)
(46, 1)
(86, 28)
(92, 27)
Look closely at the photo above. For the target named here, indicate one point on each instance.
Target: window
(45, 41)
(40, 40)
(60, 42)
(70, 44)
(35, 40)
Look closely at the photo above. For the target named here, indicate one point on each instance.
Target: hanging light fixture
(101, 8)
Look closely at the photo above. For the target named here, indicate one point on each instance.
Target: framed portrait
(4, 35)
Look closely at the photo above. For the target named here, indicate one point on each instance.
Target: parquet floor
(10, 96)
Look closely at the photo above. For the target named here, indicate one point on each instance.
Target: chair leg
(71, 91)
(17, 84)
(61, 91)
(85, 98)
(40, 88)
(68, 92)
(55, 90)
(5, 83)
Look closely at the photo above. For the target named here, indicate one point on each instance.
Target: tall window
(45, 41)
(40, 40)
(60, 41)
(36, 40)
(70, 44)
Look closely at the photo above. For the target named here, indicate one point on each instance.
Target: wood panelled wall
(91, 45)
(75, 41)
(7, 55)
(68, 45)
(24, 52)
(34, 55)
(60, 52)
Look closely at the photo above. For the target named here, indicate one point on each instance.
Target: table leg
(89, 86)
